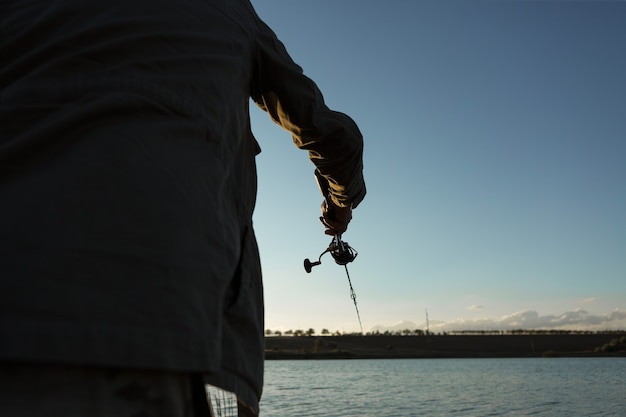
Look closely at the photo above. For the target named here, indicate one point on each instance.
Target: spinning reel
(341, 252)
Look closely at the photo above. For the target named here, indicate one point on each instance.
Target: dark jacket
(128, 181)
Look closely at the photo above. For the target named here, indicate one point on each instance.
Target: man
(128, 263)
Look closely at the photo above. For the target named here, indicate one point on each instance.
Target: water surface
(554, 387)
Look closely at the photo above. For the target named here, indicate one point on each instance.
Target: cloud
(529, 320)
(475, 307)
(404, 324)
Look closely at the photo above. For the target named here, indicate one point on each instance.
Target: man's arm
(333, 140)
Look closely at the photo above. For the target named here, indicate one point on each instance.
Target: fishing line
(353, 296)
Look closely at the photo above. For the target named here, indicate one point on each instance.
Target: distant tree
(268, 332)
(310, 332)
(298, 332)
(289, 332)
(325, 331)
(278, 333)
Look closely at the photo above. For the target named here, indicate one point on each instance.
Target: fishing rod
(341, 251)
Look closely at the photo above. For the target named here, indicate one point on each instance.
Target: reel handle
(308, 265)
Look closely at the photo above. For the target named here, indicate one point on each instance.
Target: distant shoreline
(609, 344)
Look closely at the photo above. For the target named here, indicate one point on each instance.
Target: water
(551, 387)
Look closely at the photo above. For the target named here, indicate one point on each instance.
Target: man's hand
(335, 218)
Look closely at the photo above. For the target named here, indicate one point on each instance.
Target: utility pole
(427, 325)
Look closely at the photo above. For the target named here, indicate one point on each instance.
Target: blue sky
(495, 160)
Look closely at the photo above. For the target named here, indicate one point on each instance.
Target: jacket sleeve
(332, 139)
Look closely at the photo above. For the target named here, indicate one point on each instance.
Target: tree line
(419, 332)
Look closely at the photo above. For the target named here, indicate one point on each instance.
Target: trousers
(44, 390)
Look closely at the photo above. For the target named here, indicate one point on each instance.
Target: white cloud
(404, 324)
(530, 320)
(475, 307)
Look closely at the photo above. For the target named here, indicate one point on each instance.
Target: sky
(495, 163)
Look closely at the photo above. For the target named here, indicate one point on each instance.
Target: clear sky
(495, 161)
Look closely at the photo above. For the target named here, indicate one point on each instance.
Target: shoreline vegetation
(457, 345)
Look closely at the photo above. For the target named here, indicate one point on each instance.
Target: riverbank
(445, 346)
